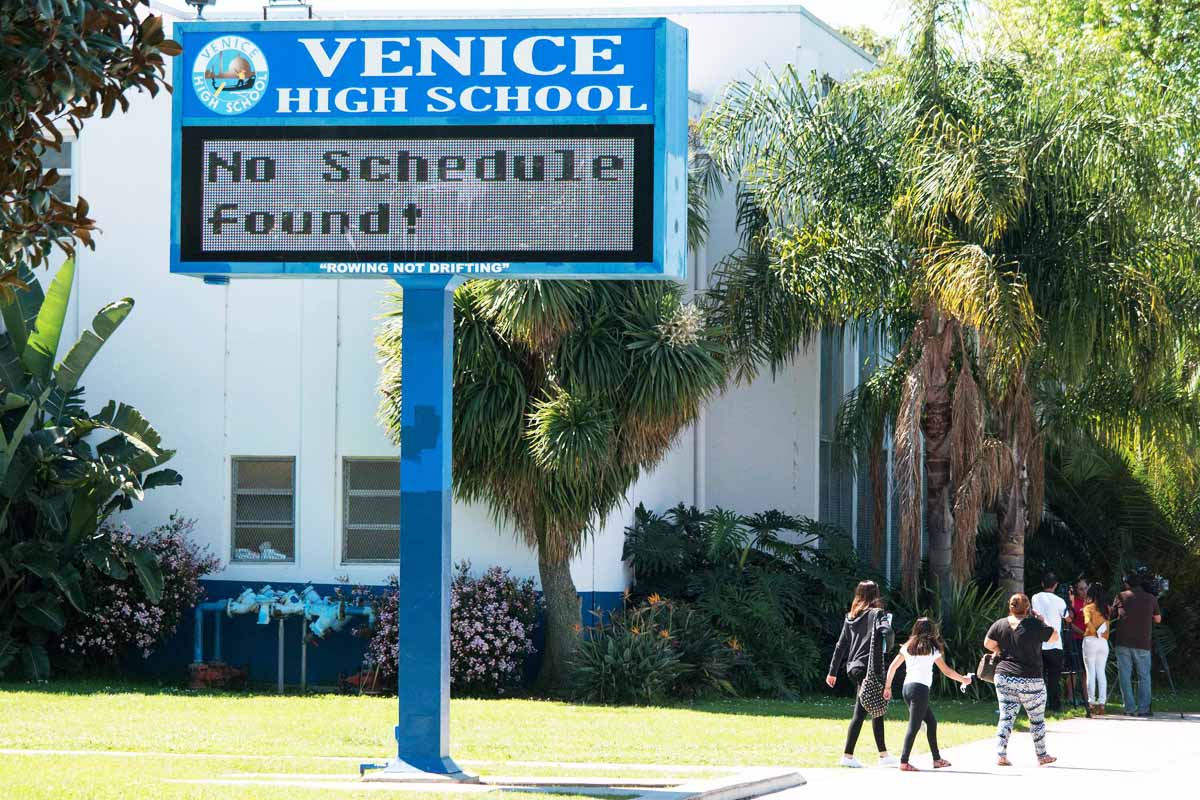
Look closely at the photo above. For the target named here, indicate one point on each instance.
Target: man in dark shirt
(1135, 613)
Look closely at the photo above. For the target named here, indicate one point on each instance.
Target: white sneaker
(888, 761)
(851, 762)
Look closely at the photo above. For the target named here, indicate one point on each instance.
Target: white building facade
(267, 389)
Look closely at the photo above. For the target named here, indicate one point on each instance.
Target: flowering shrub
(120, 617)
(491, 631)
(382, 652)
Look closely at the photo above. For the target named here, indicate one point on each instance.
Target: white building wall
(288, 368)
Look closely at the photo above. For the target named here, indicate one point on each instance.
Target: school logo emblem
(230, 75)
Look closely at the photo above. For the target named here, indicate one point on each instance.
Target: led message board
(515, 148)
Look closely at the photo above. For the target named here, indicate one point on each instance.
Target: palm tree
(999, 230)
(564, 393)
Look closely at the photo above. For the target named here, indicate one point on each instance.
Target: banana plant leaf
(12, 371)
(37, 663)
(162, 477)
(43, 610)
(149, 573)
(67, 579)
(35, 557)
(8, 651)
(42, 345)
(20, 314)
(103, 559)
(70, 371)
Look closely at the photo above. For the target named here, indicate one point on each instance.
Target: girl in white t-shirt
(921, 652)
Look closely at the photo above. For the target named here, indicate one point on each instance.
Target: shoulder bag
(986, 670)
(870, 691)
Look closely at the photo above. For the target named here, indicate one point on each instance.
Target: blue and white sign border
(668, 117)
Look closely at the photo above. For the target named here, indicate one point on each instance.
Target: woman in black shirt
(1017, 640)
(853, 649)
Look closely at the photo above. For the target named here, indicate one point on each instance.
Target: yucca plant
(564, 393)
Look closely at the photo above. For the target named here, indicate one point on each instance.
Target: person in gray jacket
(854, 648)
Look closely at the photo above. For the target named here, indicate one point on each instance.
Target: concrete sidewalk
(1110, 756)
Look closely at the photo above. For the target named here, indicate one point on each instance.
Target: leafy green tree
(57, 482)
(998, 227)
(1159, 40)
(869, 39)
(564, 393)
(62, 62)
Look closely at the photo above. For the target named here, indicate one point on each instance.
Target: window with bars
(370, 510)
(836, 502)
(264, 509)
(61, 161)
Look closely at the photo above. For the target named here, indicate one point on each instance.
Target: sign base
(399, 771)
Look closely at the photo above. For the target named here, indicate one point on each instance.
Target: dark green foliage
(655, 651)
(63, 471)
(61, 62)
(774, 585)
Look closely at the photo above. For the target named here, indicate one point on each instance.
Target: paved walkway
(1110, 757)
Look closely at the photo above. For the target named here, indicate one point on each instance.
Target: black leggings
(917, 697)
(860, 714)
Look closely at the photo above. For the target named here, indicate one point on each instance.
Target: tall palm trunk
(562, 621)
(1021, 505)
(936, 421)
(1014, 522)
(879, 492)
(939, 505)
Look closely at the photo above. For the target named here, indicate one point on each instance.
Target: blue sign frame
(652, 56)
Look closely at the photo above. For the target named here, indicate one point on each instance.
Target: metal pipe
(303, 658)
(217, 636)
(198, 633)
(198, 637)
(280, 659)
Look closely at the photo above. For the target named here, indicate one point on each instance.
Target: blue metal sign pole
(427, 357)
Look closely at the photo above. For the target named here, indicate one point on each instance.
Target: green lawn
(170, 730)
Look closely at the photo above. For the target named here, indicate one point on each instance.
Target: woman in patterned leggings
(1017, 640)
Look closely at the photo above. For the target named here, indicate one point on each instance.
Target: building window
(264, 509)
(836, 503)
(370, 510)
(61, 161)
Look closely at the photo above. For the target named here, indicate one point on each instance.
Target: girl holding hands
(921, 653)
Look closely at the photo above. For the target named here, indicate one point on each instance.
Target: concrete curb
(746, 784)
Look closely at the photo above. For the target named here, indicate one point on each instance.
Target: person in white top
(1052, 610)
(920, 654)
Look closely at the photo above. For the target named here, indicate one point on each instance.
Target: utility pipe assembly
(322, 614)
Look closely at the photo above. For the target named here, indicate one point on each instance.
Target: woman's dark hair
(925, 638)
(866, 595)
(1098, 595)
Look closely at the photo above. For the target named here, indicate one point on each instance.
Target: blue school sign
(389, 149)
(429, 153)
